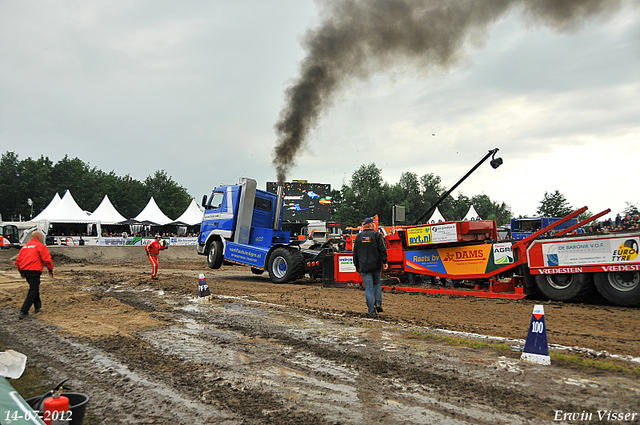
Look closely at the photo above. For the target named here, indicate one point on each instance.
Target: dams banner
(460, 261)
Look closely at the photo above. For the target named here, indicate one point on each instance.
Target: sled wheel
(214, 257)
(620, 288)
(565, 287)
(256, 271)
(285, 265)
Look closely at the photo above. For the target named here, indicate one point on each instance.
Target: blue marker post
(536, 349)
(204, 295)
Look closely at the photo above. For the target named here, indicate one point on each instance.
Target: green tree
(347, 212)
(35, 178)
(554, 205)
(129, 195)
(431, 192)
(409, 195)
(11, 192)
(367, 187)
(172, 198)
(80, 179)
(39, 180)
(631, 209)
(461, 207)
(491, 210)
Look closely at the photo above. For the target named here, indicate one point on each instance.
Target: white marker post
(536, 349)
(204, 295)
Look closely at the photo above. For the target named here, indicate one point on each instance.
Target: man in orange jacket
(153, 249)
(30, 261)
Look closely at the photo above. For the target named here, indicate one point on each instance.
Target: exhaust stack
(276, 220)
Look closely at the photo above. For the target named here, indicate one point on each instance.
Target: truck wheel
(214, 257)
(285, 265)
(256, 271)
(620, 288)
(565, 287)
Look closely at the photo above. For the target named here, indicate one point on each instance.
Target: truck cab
(243, 225)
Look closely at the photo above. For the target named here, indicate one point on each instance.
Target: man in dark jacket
(370, 258)
(30, 261)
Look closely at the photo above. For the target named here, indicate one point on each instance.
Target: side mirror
(204, 201)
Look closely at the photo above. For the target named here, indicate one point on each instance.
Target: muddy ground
(148, 352)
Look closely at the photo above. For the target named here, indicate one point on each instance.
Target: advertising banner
(460, 260)
(591, 252)
(245, 254)
(304, 201)
(432, 234)
(345, 264)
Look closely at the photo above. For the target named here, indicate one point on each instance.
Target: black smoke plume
(357, 38)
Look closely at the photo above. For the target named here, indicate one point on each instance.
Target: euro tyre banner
(585, 252)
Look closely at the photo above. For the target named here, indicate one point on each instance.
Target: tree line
(38, 180)
(367, 195)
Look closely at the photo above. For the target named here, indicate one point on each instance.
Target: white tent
(436, 217)
(66, 211)
(52, 205)
(106, 213)
(153, 214)
(472, 215)
(192, 215)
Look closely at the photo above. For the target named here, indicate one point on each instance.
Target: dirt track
(148, 352)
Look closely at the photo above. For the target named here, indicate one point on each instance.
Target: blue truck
(243, 225)
(524, 227)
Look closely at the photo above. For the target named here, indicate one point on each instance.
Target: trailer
(472, 258)
(467, 258)
(568, 269)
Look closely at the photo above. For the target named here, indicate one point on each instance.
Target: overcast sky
(196, 87)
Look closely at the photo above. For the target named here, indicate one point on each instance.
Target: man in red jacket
(30, 261)
(153, 249)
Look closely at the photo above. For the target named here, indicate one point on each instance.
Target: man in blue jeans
(370, 258)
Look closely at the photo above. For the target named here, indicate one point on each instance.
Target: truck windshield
(216, 200)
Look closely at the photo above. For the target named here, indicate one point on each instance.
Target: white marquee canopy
(192, 215)
(472, 215)
(153, 214)
(64, 211)
(49, 208)
(436, 217)
(106, 212)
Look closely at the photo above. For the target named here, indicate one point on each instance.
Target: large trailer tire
(565, 287)
(285, 265)
(620, 288)
(214, 256)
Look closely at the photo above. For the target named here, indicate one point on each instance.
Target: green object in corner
(13, 409)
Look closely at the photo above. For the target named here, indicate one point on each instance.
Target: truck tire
(214, 256)
(565, 287)
(285, 265)
(620, 288)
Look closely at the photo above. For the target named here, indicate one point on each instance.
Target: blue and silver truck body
(243, 225)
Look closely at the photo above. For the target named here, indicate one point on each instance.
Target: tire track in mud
(238, 362)
(447, 393)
